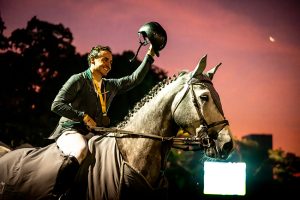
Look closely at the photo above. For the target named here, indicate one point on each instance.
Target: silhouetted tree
(35, 63)
(3, 39)
(286, 166)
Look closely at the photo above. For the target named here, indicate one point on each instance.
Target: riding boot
(66, 175)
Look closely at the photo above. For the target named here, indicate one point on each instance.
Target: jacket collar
(88, 74)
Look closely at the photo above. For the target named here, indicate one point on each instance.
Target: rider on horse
(84, 99)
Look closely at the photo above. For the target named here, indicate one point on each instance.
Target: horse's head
(197, 109)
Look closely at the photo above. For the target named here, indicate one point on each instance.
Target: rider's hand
(151, 51)
(89, 121)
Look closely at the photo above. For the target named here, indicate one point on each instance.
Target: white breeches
(72, 143)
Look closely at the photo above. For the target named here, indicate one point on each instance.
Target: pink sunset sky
(257, 41)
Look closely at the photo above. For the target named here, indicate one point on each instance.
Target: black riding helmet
(154, 33)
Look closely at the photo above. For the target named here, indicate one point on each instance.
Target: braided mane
(152, 93)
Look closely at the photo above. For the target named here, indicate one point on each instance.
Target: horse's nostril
(227, 148)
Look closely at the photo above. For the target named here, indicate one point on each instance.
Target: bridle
(201, 140)
(202, 136)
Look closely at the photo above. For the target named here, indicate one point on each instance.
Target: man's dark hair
(94, 53)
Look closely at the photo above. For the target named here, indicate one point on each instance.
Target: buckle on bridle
(205, 140)
(202, 134)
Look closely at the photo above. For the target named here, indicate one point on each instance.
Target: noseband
(202, 136)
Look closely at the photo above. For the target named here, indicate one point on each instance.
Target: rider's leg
(66, 175)
(72, 143)
(74, 146)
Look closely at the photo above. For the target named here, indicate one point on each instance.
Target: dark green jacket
(78, 97)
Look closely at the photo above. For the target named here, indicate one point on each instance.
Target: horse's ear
(200, 67)
(212, 72)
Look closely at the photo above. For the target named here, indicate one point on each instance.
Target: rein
(177, 141)
(119, 133)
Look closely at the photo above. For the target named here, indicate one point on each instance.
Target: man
(83, 102)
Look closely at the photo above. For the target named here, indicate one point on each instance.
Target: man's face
(103, 63)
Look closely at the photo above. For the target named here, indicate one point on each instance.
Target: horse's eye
(204, 97)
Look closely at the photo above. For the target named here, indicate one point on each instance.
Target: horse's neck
(155, 117)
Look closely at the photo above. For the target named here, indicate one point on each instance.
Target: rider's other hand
(151, 51)
(89, 121)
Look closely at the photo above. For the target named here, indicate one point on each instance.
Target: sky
(257, 42)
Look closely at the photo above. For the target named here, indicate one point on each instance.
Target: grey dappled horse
(128, 161)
